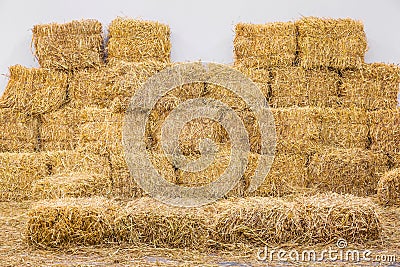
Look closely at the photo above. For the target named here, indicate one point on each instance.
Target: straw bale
(100, 131)
(389, 188)
(385, 130)
(372, 87)
(317, 219)
(17, 172)
(65, 161)
(261, 77)
(111, 85)
(71, 184)
(71, 221)
(347, 171)
(20, 133)
(148, 221)
(295, 86)
(395, 160)
(330, 216)
(137, 40)
(337, 43)
(69, 46)
(265, 45)
(298, 127)
(59, 129)
(35, 91)
(345, 128)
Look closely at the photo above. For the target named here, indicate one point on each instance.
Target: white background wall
(201, 29)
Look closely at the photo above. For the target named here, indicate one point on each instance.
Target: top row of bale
(309, 42)
(79, 44)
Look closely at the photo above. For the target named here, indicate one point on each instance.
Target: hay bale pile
(136, 40)
(322, 218)
(69, 46)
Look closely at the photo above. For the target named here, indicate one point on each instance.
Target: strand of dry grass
(67, 221)
(317, 219)
(348, 171)
(17, 173)
(20, 132)
(337, 43)
(295, 86)
(112, 85)
(69, 46)
(385, 130)
(345, 128)
(71, 184)
(265, 45)
(389, 188)
(59, 129)
(372, 87)
(35, 90)
(138, 40)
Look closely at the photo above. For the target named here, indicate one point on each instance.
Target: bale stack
(336, 43)
(136, 40)
(373, 87)
(264, 46)
(70, 46)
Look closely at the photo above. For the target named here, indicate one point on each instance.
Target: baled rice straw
(337, 43)
(265, 45)
(69, 46)
(35, 91)
(136, 40)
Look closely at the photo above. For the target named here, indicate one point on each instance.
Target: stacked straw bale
(261, 77)
(35, 91)
(345, 128)
(295, 86)
(372, 87)
(146, 221)
(78, 221)
(336, 43)
(17, 173)
(136, 40)
(348, 171)
(111, 85)
(59, 129)
(265, 45)
(68, 161)
(385, 130)
(19, 132)
(317, 219)
(69, 46)
(71, 184)
(389, 188)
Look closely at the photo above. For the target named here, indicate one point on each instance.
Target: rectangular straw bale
(336, 43)
(35, 91)
(100, 131)
(19, 132)
(345, 128)
(69, 46)
(71, 221)
(347, 171)
(265, 45)
(385, 130)
(298, 127)
(138, 40)
(17, 173)
(59, 129)
(295, 86)
(261, 77)
(147, 221)
(111, 85)
(71, 184)
(389, 188)
(73, 161)
(372, 87)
